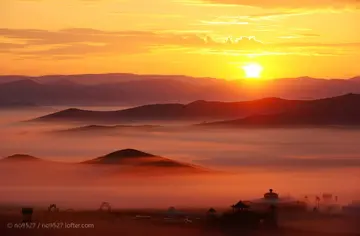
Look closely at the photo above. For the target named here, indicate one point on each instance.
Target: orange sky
(193, 37)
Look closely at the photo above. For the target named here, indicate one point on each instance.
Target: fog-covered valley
(245, 164)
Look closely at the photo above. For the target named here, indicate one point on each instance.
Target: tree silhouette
(105, 206)
(53, 208)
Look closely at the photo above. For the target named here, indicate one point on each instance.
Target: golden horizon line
(29, 76)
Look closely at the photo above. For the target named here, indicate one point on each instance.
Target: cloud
(6, 46)
(296, 36)
(270, 19)
(232, 22)
(271, 16)
(81, 42)
(74, 35)
(290, 3)
(310, 35)
(245, 43)
(314, 44)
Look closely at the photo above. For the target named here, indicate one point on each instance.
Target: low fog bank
(86, 186)
(293, 161)
(304, 149)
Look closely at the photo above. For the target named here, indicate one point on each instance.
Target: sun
(252, 70)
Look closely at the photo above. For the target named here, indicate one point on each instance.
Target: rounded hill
(21, 157)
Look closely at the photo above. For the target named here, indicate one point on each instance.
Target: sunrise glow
(253, 70)
(180, 117)
(192, 37)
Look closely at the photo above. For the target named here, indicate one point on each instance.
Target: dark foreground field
(125, 223)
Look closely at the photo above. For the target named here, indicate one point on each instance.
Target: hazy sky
(194, 37)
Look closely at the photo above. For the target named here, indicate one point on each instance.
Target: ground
(124, 223)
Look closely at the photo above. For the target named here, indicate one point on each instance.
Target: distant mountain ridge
(93, 79)
(345, 108)
(342, 111)
(132, 89)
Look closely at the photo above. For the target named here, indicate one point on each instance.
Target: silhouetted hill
(341, 111)
(118, 157)
(21, 85)
(199, 110)
(11, 78)
(129, 153)
(104, 128)
(356, 79)
(109, 78)
(21, 158)
(135, 158)
(125, 89)
(60, 82)
(57, 93)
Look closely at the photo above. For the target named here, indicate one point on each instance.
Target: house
(240, 206)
